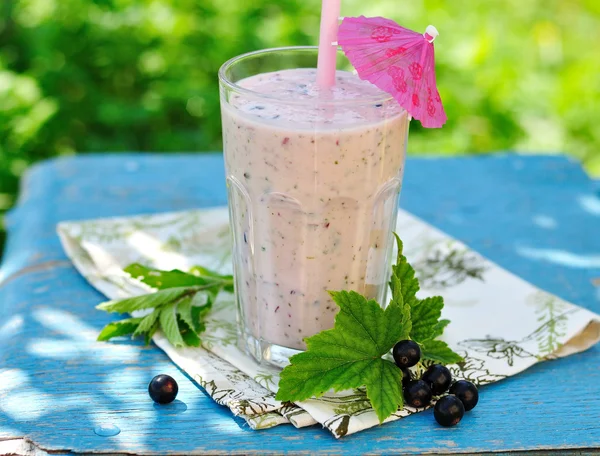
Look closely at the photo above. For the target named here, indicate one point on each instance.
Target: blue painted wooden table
(536, 216)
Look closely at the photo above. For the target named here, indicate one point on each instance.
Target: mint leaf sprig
(179, 307)
(351, 355)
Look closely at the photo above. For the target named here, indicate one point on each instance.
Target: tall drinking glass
(313, 178)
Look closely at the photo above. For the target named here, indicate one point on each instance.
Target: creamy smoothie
(313, 182)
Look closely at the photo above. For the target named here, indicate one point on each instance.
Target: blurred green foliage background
(82, 76)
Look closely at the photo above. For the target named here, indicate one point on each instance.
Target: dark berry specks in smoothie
(314, 182)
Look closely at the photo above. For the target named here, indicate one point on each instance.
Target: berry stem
(419, 369)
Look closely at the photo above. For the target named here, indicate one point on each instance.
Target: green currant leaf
(439, 327)
(398, 300)
(409, 284)
(439, 352)
(425, 315)
(350, 356)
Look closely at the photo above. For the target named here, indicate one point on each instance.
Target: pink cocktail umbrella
(398, 61)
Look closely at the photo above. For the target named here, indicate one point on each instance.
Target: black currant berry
(417, 393)
(438, 377)
(448, 411)
(406, 353)
(467, 393)
(163, 389)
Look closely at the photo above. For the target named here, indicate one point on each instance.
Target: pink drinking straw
(326, 63)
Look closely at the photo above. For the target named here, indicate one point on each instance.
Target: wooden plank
(57, 383)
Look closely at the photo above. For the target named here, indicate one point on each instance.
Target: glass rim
(385, 97)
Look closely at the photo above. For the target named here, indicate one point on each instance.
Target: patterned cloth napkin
(500, 324)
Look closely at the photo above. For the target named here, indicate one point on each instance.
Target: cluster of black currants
(435, 381)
